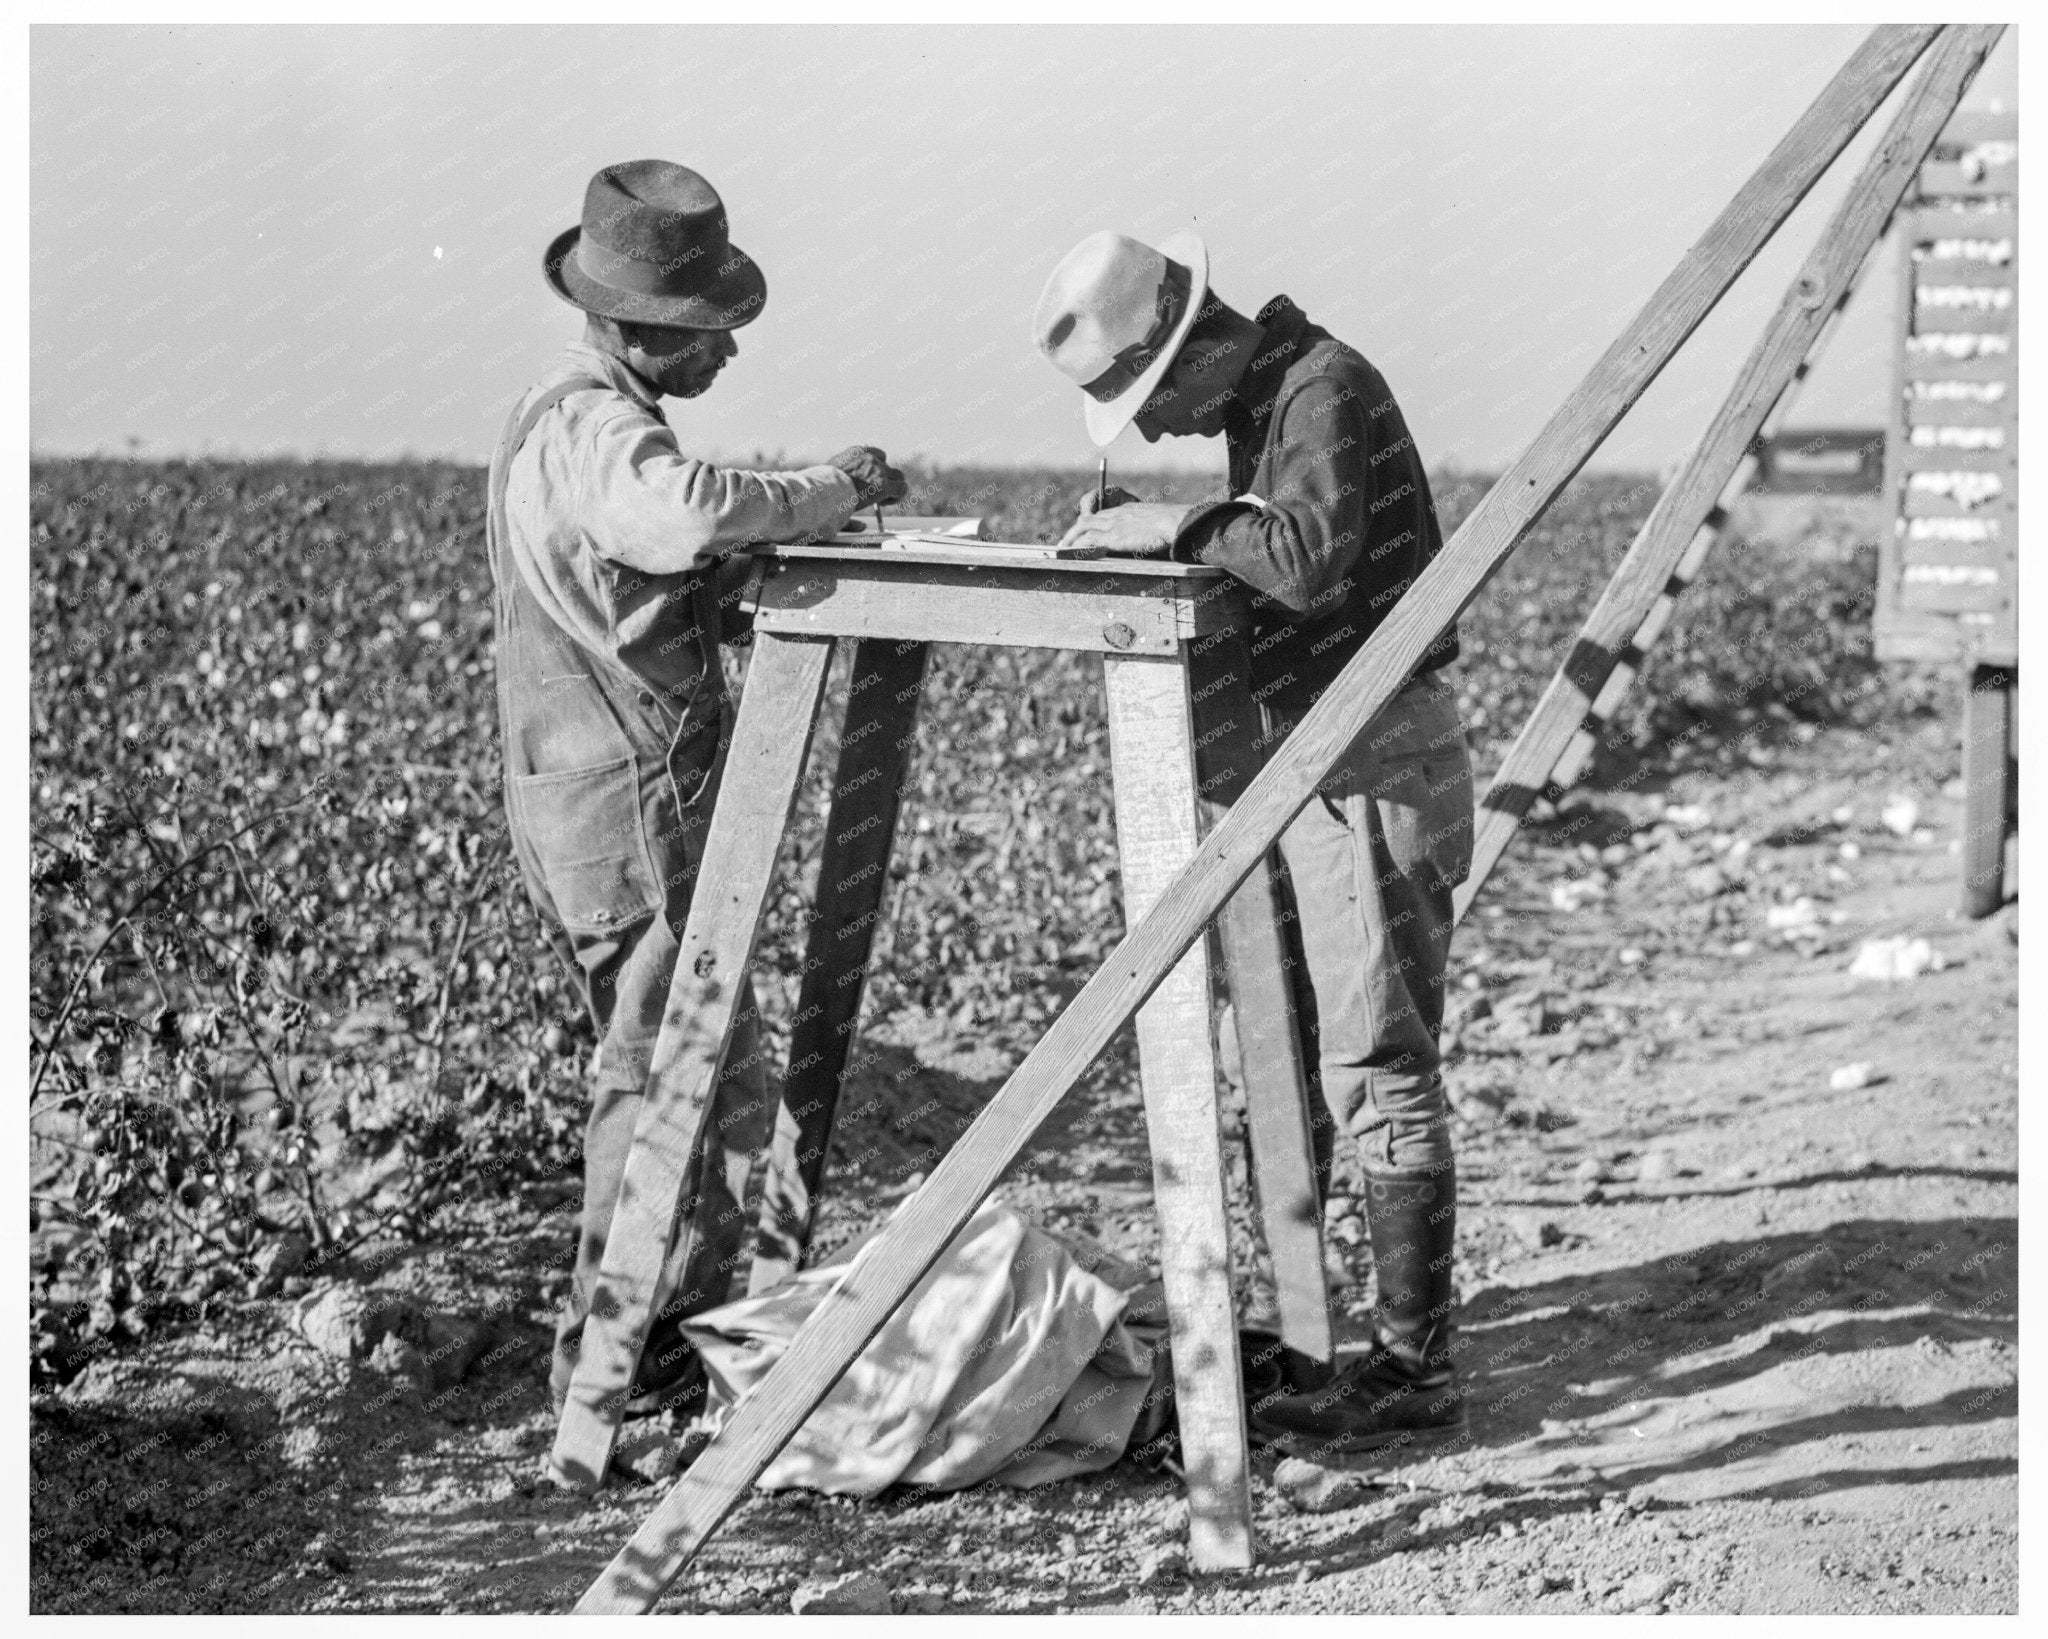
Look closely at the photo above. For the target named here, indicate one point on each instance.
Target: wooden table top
(957, 552)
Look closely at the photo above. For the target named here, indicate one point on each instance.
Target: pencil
(1102, 483)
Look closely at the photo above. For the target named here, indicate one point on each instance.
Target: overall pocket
(1425, 808)
(586, 829)
(1421, 776)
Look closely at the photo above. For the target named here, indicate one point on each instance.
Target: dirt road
(1735, 1339)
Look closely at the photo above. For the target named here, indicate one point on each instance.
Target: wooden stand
(1173, 654)
(1948, 575)
(890, 1265)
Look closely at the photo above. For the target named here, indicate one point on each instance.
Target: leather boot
(1404, 1389)
(1413, 1220)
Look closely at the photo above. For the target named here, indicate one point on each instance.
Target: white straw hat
(1113, 316)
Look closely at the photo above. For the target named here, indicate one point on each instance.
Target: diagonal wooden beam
(889, 1266)
(1682, 529)
(1579, 751)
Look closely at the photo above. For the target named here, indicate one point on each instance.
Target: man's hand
(1085, 502)
(1126, 528)
(874, 480)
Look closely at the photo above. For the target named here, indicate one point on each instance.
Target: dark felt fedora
(652, 248)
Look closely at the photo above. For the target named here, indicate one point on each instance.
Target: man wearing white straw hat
(1330, 520)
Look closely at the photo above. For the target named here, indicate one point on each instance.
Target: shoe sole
(1295, 1444)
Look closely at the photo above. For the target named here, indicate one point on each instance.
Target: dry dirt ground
(1734, 1339)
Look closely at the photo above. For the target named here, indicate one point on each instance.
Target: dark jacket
(1331, 518)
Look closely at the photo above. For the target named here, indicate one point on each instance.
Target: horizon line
(762, 462)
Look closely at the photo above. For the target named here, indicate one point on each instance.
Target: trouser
(1369, 868)
(695, 1277)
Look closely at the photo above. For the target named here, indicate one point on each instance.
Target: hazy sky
(327, 241)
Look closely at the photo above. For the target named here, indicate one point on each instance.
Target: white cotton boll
(1896, 959)
(1571, 894)
(1801, 916)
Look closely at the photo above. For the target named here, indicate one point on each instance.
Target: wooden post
(1152, 774)
(1632, 609)
(1987, 762)
(889, 1266)
(770, 741)
(1256, 965)
(860, 834)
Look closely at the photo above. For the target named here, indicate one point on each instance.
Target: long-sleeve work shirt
(1331, 518)
(604, 511)
(605, 542)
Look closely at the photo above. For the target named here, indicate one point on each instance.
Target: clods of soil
(1738, 1333)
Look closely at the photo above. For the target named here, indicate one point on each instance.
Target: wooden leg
(784, 684)
(1987, 761)
(881, 723)
(1255, 964)
(1152, 761)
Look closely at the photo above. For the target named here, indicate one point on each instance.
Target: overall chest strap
(518, 428)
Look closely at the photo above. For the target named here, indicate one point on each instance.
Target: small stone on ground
(856, 1593)
(1647, 1588)
(1310, 1488)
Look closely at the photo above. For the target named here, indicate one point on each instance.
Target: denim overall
(611, 769)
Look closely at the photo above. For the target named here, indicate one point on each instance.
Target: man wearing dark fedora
(1329, 521)
(607, 544)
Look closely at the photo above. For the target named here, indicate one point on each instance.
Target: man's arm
(735, 625)
(1299, 544)
(647, 505)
